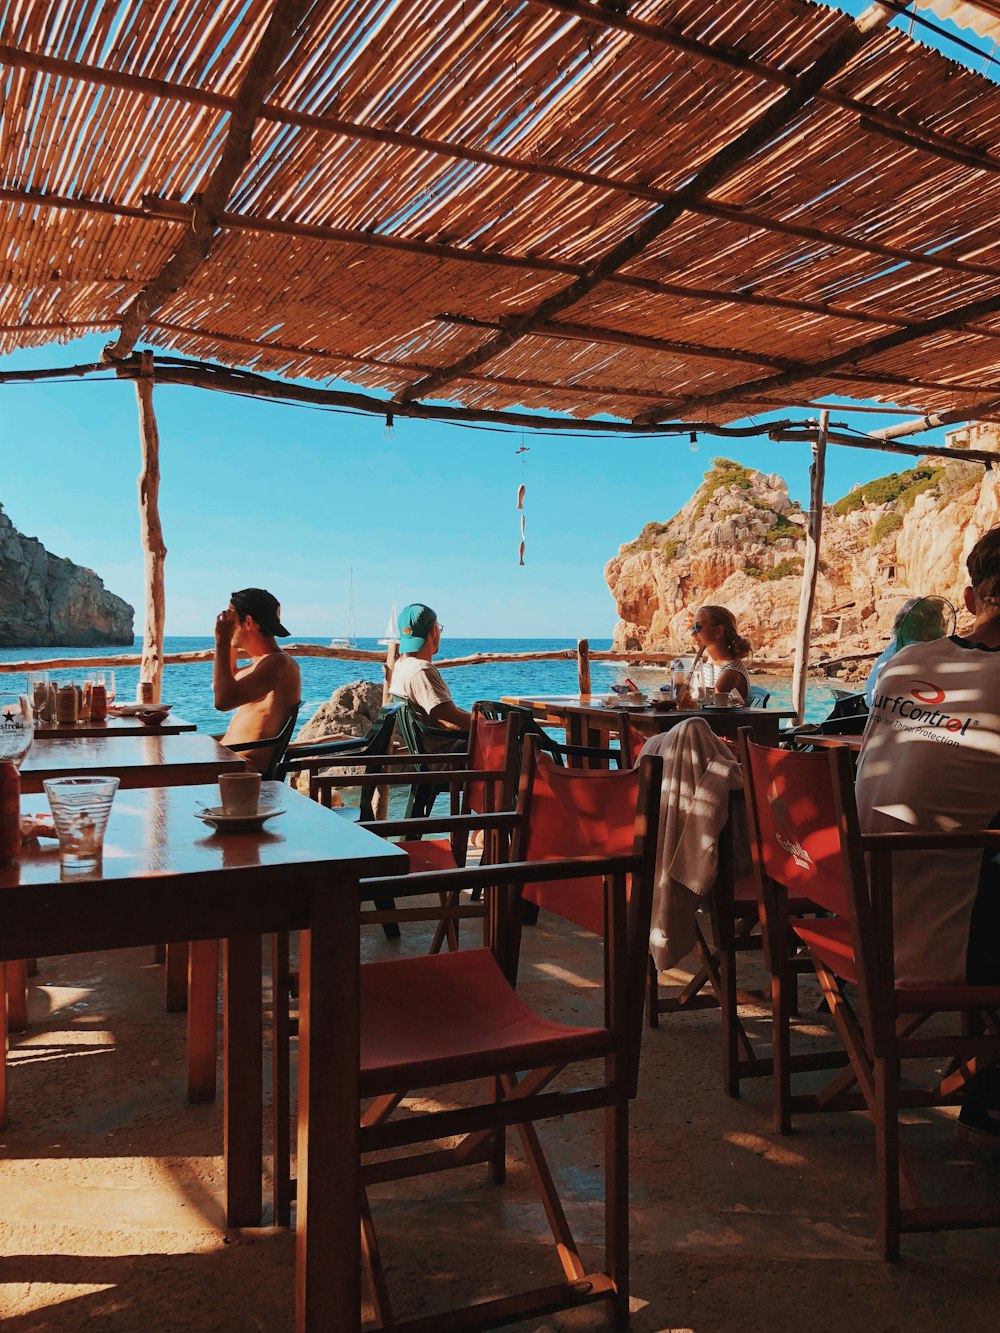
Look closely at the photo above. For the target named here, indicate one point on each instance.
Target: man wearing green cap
(416, 679)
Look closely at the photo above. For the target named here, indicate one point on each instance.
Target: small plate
(132, 710)
(213, 815)
(718, 708)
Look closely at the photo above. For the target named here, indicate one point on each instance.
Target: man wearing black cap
(265, 692)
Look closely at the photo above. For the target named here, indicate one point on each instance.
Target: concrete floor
(110, 1187)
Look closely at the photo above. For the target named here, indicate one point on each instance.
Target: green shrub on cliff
(724, 473)
(784, 569)
(886, 524)
(885, 490)
(783, 528)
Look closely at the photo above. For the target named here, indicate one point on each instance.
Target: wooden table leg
(328, 1218)
(17, 995)
(243, 1134)
(203, 1019)
(176, 979)
(3, 1045)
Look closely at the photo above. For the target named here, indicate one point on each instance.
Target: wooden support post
(810, 568)
(154, 551)
(391, 653)
(583, 665)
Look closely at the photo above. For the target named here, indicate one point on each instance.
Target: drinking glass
(109, 685)
(38, 694)
(80, 809)
(17, 728)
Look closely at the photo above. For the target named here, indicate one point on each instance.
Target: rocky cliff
(738, 542)
(45, 600)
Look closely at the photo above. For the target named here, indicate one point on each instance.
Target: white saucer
(213, 815)
(131, 710)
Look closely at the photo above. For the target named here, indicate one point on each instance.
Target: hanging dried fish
(520, 496)
(521, 554)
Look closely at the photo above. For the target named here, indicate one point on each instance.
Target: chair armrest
(445, 779)
(314, 760)
(502, 874)
(441, 824)
(925, 842)
(239, 746)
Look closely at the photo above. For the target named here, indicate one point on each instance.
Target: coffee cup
(240, 793)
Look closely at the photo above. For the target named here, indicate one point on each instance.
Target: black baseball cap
(263, 607)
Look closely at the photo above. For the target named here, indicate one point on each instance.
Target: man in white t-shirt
(930, 759)
(416, 678)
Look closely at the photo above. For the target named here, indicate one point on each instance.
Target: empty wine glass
(16, 728)
(38, 694)
(109, 685)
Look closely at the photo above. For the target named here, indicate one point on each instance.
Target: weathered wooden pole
(153, 549)
(810, 568)
(583, 665)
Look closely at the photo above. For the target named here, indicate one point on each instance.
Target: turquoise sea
(189, 688)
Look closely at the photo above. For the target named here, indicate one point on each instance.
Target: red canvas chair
(807, 843)
(456, 1018)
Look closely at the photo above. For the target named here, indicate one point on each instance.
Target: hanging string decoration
(520, 500)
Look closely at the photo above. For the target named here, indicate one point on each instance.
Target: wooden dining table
(590, 721)
(137, 761)
(111, 726)
(167, 876)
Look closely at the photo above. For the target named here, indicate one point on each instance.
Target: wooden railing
(581, 654)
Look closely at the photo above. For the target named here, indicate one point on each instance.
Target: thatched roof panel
(389, 186)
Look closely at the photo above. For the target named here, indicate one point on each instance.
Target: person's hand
(225, 625)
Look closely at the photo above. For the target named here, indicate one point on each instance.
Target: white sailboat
(391, 634)
(347, 640)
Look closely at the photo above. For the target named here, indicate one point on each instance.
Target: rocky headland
(47, 601)
(738, 542)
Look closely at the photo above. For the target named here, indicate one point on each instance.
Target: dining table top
(112, 725)
(597, 705)
(151, 760)
(155, 833)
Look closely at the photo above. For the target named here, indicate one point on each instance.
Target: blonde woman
(717, 638)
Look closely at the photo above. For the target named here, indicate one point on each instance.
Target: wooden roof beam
(712, 174)
(155, 209)
(944, 323)
(194, 246)
(615, 337)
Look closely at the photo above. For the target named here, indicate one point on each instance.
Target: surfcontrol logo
(921, 705)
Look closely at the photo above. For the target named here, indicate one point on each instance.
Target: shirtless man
(265, 692)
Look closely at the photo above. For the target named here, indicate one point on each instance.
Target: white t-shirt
(419, 682)
(930, 759)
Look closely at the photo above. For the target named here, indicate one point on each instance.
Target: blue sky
(295, 499)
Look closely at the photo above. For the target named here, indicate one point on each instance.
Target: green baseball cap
(415, 623)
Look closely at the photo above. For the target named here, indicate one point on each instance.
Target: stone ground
(110, 1187)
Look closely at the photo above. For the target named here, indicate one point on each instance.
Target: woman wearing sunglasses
(715, 633)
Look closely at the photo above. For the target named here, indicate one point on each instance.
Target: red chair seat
(429, 854)
(829, 940)
(449, 1017)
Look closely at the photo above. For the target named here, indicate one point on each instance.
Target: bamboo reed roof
(657, 210)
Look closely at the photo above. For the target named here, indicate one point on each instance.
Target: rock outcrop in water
(46, 600)
(739, 540)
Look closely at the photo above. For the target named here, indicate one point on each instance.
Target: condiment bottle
(10, 813)
(69, 704)
(98, 703)
(84, 712)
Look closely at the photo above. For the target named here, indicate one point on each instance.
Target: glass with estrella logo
(16, 728)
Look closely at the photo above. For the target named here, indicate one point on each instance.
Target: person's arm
(733, 680)
(231, 692)
(451, 717)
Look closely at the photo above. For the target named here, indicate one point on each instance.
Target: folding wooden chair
(456, 1018)
(807, 841)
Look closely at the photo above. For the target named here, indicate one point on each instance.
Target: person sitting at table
(714, 631)
(930, 760)
(416, 679)
(265, 692)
